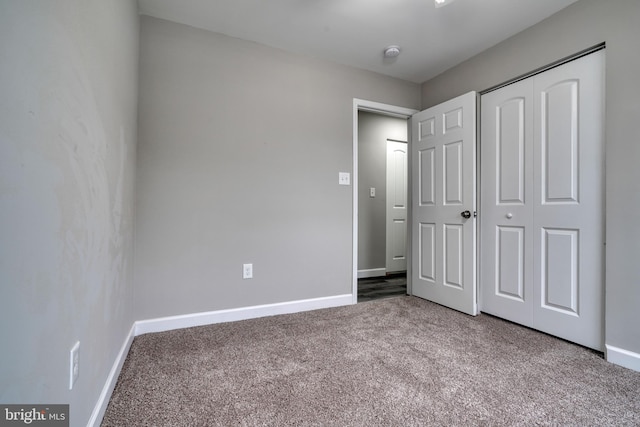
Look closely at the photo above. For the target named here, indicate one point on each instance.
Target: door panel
(427, 252)
(558, 127)
(506, 235)
(559, 287)
(510, 261)
(396, 210)
(453, 120)
(569, 201)
(542, 213)
(444, 177)
(510, 151)
(453, 173)
(453, 255)
(426, 171)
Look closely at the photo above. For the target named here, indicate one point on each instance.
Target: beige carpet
(394, 362)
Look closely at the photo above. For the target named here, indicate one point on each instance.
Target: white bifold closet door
(542, 201)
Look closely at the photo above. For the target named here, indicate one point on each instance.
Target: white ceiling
(355, 32)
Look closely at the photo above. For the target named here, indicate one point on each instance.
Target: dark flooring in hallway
(373, 288)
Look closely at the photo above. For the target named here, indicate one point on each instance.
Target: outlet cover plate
(247, 271)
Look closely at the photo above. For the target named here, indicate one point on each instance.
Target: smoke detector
(391, 51)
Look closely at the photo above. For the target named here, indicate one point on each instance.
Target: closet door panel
(506, 191)
(569, 210)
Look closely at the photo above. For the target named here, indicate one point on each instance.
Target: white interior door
(443, 156)
(396, 219)
(506, 214)
(542, 213)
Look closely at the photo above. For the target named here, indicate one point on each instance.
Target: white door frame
(386, 110)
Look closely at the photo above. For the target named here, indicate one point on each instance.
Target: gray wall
(373, 132)
(577, 27)
(239, 151)
(68, 90)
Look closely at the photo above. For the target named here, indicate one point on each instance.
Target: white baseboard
(622, 357)
(372, 272)
(110, 384)
(234, 314)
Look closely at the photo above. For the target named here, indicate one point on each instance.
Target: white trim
(384, 109)
(379, 108)
(622, 357)
(110, 384)
(372, 272)
(231, 315)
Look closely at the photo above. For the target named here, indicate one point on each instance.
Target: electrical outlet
(74, 364)
(247, 271)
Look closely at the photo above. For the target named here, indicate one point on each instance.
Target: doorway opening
(376, 127)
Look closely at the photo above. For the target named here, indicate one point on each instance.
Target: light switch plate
(372, 192)
(344, 178)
